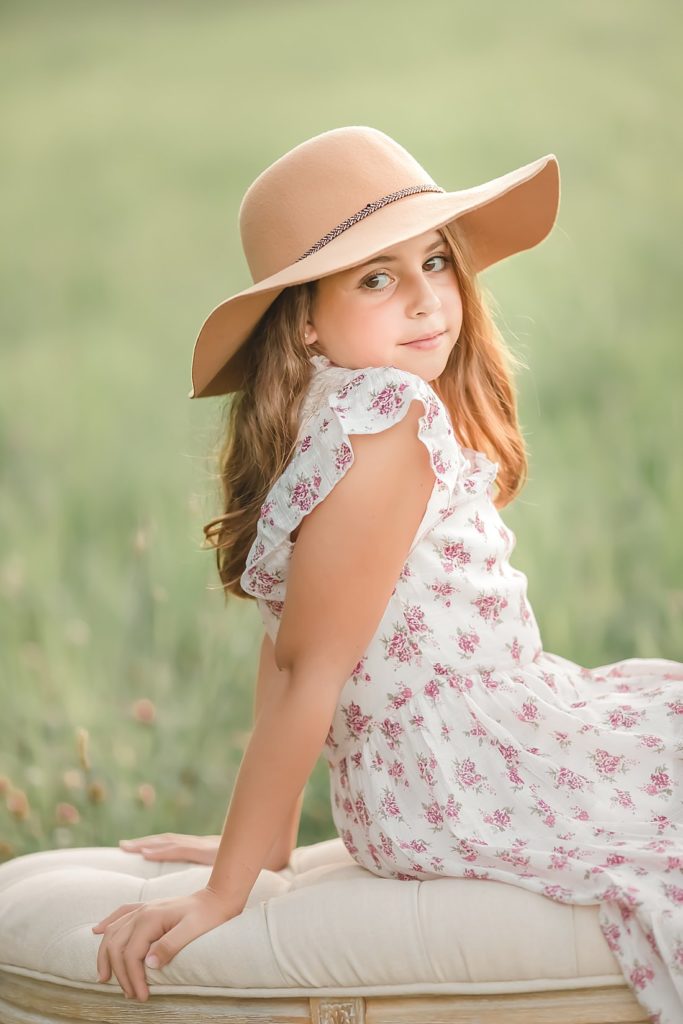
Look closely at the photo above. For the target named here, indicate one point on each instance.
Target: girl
(375, 414)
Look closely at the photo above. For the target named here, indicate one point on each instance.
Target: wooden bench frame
(25, 1000)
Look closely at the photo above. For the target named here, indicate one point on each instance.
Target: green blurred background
(131, 131)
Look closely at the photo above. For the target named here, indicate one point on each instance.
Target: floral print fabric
(459, 746)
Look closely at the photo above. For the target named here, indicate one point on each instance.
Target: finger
(115, 915)
(103, 965)
(164, 949)
(171, 852)
(104, 960)
(135, 844)
(134, 956)
(115, 950)
(146, 928)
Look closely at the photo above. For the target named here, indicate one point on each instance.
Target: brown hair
(262, 420)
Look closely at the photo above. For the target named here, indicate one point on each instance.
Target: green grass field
(130, 134)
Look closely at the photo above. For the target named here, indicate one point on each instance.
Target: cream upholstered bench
(323, 940)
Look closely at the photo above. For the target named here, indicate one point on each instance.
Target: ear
(310, 334)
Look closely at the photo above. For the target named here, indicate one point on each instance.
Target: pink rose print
(659, 784)
(607, 764)
(356, 722)
(571, 779)
(490, 607)
(465, 774)
(433, 815)
(262, 581)
(432, 690)
(651, 741)
(467, 642)
(362, 812)
(400, 698)
(624, 717)
(415, 619)
(454, 556)
(306, 491)
(387, 846)
(397, 772)
(426, 766)
(612, 933)
(392, 731)
(400, 647)
(388, 807)
(444, 592)
(623, 799)
(529, 712)
(641, 975)
(501, 818)
(453, 808)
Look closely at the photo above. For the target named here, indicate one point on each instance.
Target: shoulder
(374, 397)
(349, 403)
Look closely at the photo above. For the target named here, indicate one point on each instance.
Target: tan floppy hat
(341, 197)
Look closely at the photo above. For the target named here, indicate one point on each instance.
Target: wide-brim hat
(340, 198)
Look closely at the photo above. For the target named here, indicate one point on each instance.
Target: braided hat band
(365, 212)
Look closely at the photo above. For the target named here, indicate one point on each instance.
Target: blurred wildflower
(7, 850)
(33, 656)
(124, 754)
(62, 837)
(83, 742)
(188, 775)
(34, 775)
(5, 784)
(159, 593)
(67, 814)
(12, 576)
(73, 778)
(17, 804)
(97, 792)
(146, 794)
(183, 799)
(140, 540)
(77, 632)
(144, 711)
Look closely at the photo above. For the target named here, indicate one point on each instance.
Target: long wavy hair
(262, 420)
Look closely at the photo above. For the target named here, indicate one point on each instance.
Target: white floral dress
(459, 746)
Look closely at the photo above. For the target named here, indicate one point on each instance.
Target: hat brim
(499, 218)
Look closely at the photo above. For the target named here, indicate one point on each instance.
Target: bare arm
(332, 609)
(269, 683)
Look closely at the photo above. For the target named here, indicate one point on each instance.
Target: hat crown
(315, 187)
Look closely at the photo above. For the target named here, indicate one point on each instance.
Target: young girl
(375, 414)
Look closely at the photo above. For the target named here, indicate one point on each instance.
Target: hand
(133, 933)
(172, 846)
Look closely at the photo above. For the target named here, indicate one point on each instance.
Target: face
(369, 315)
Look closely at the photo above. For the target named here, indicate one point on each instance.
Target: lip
(427, 342)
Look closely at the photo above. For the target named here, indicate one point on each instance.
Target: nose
(422, 298)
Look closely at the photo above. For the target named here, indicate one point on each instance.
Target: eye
(373, 277)
(440, 256)
(382, 273)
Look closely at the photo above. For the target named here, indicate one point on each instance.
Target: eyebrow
(386, 258)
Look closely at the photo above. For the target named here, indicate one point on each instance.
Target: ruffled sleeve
(369, 401)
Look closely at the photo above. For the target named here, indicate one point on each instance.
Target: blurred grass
(131, 132)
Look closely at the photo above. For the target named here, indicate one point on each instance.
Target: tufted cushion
(322, 926)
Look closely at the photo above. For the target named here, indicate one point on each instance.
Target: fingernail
(152, 960)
